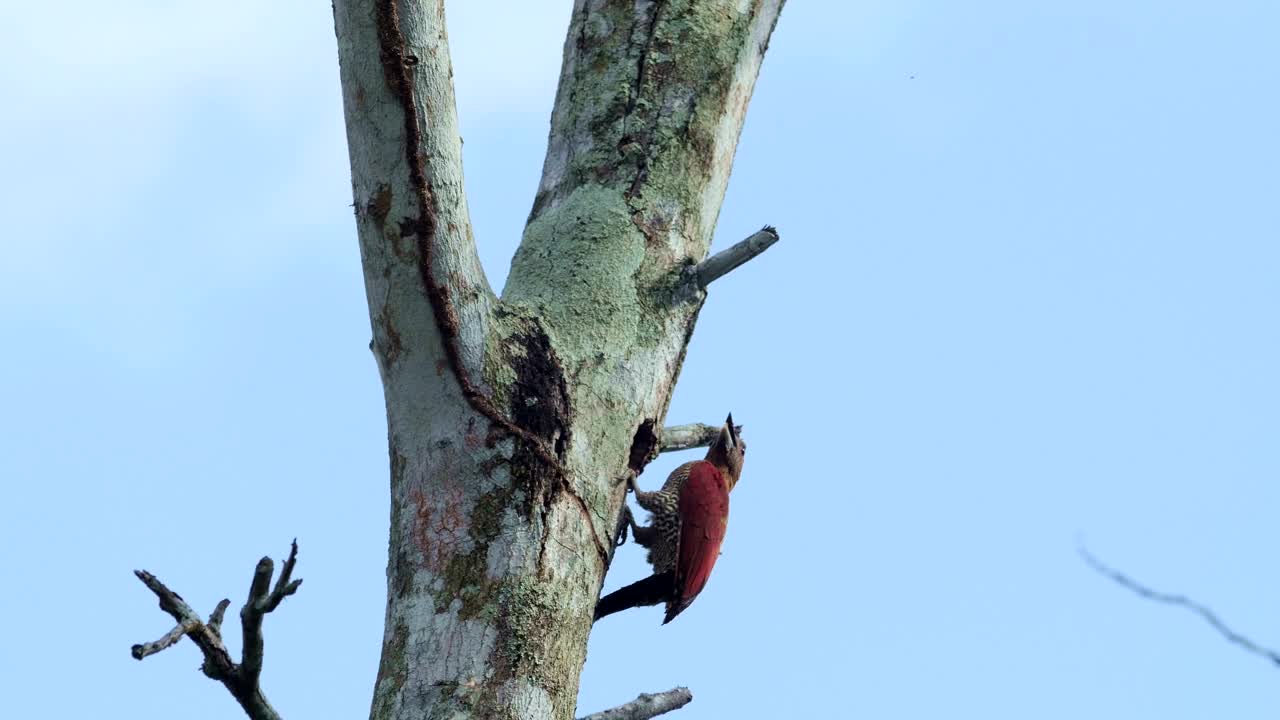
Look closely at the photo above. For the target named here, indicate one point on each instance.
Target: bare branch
(142, 650)
(217, 662)
(646, 706)
(240, 680)
(726, 261)
(687, 437)
(284, 588)
(1180, 601)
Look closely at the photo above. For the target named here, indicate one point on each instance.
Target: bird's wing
(704, 515)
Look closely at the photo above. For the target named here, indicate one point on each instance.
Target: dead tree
(511, 419)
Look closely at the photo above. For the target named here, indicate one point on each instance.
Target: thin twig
(687, 437)
(1180, 601)
(241, 680)
(646, 706)
(728, 260)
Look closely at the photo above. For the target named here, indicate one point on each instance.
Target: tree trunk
(510, 420)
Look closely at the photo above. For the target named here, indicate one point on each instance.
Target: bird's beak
(733, 432)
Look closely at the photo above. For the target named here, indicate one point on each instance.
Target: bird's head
(728, 451)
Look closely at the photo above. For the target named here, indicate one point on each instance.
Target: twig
(1180, 601)
(240, 679)
(726, 261)
(687, 437)
(646, 706)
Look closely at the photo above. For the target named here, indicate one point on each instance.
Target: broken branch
(728, 260)
(646, 706)
(215, 617)
(687, 437)
(241, 680)
(142, 650)
(1180, 601)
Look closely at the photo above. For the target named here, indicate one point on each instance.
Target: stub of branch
(1180, 601)
(240, 679)
(687, 437)
(726, 261)
(646, 706)
(215, 617)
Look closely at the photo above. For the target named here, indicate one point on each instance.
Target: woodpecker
(690, 514)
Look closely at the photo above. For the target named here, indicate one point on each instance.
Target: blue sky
(1027, 292)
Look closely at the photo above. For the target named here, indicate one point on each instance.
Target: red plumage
(704, 516)
(690, 514)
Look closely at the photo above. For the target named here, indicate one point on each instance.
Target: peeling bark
(510, 420)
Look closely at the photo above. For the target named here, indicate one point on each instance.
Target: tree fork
(510, 418)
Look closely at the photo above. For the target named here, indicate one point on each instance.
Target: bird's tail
(674, 608)
(649, 591)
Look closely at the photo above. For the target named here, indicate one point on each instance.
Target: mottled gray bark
(686, 437)
(511, 419)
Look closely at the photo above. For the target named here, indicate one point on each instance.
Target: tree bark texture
(510, 419)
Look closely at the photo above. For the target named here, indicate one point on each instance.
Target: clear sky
(1027, 292)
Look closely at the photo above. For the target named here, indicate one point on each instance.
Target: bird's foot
(624, 521)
